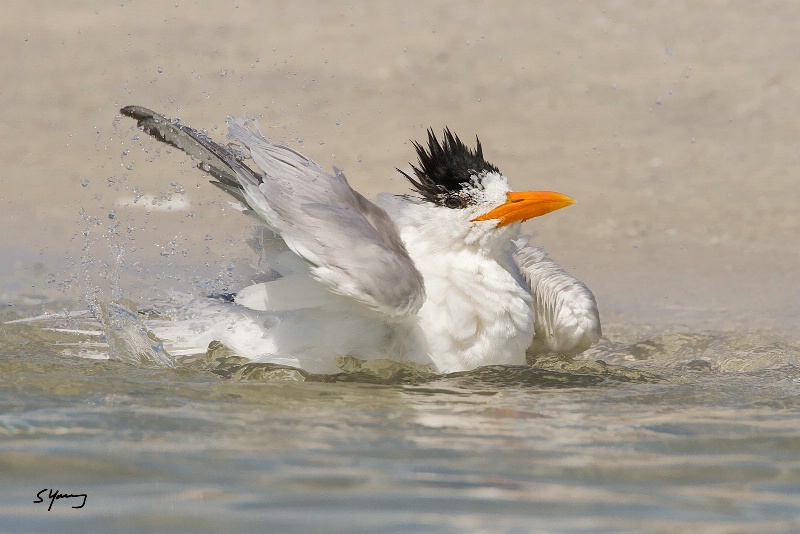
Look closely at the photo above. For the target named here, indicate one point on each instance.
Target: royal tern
(438, 277)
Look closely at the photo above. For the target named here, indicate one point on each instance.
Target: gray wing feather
(352, 245)
(211, 157)
(567, 320)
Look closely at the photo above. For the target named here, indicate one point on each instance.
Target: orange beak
(524, 205)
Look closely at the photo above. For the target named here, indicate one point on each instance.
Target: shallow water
(676, 431)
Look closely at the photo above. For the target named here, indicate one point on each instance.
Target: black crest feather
(446, 168)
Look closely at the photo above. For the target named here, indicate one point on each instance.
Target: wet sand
(674, 125)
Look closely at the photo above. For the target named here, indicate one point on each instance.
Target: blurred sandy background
(674, 125)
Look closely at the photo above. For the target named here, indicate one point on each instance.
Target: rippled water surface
(683, 431)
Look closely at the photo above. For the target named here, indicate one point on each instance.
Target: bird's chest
(477, 313)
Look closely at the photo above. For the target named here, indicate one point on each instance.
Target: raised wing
(351, 244)
(211, 157)
(566, 317)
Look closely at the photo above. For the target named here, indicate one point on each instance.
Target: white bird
(439, 277)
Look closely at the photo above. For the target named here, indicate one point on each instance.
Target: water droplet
(160, 70)
(84, 182)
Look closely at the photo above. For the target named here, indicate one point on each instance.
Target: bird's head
(453, 176)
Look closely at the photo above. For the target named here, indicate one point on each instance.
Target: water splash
(543, 371)
(719, 352)
(128, 338)
(116, 330)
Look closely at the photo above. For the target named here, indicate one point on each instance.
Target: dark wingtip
(139, 112)
(224, 296)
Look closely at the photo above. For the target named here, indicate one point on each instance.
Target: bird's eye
(453, 202)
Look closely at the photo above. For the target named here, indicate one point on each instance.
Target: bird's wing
(212, 158)
(351, 244)
(566, 317)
